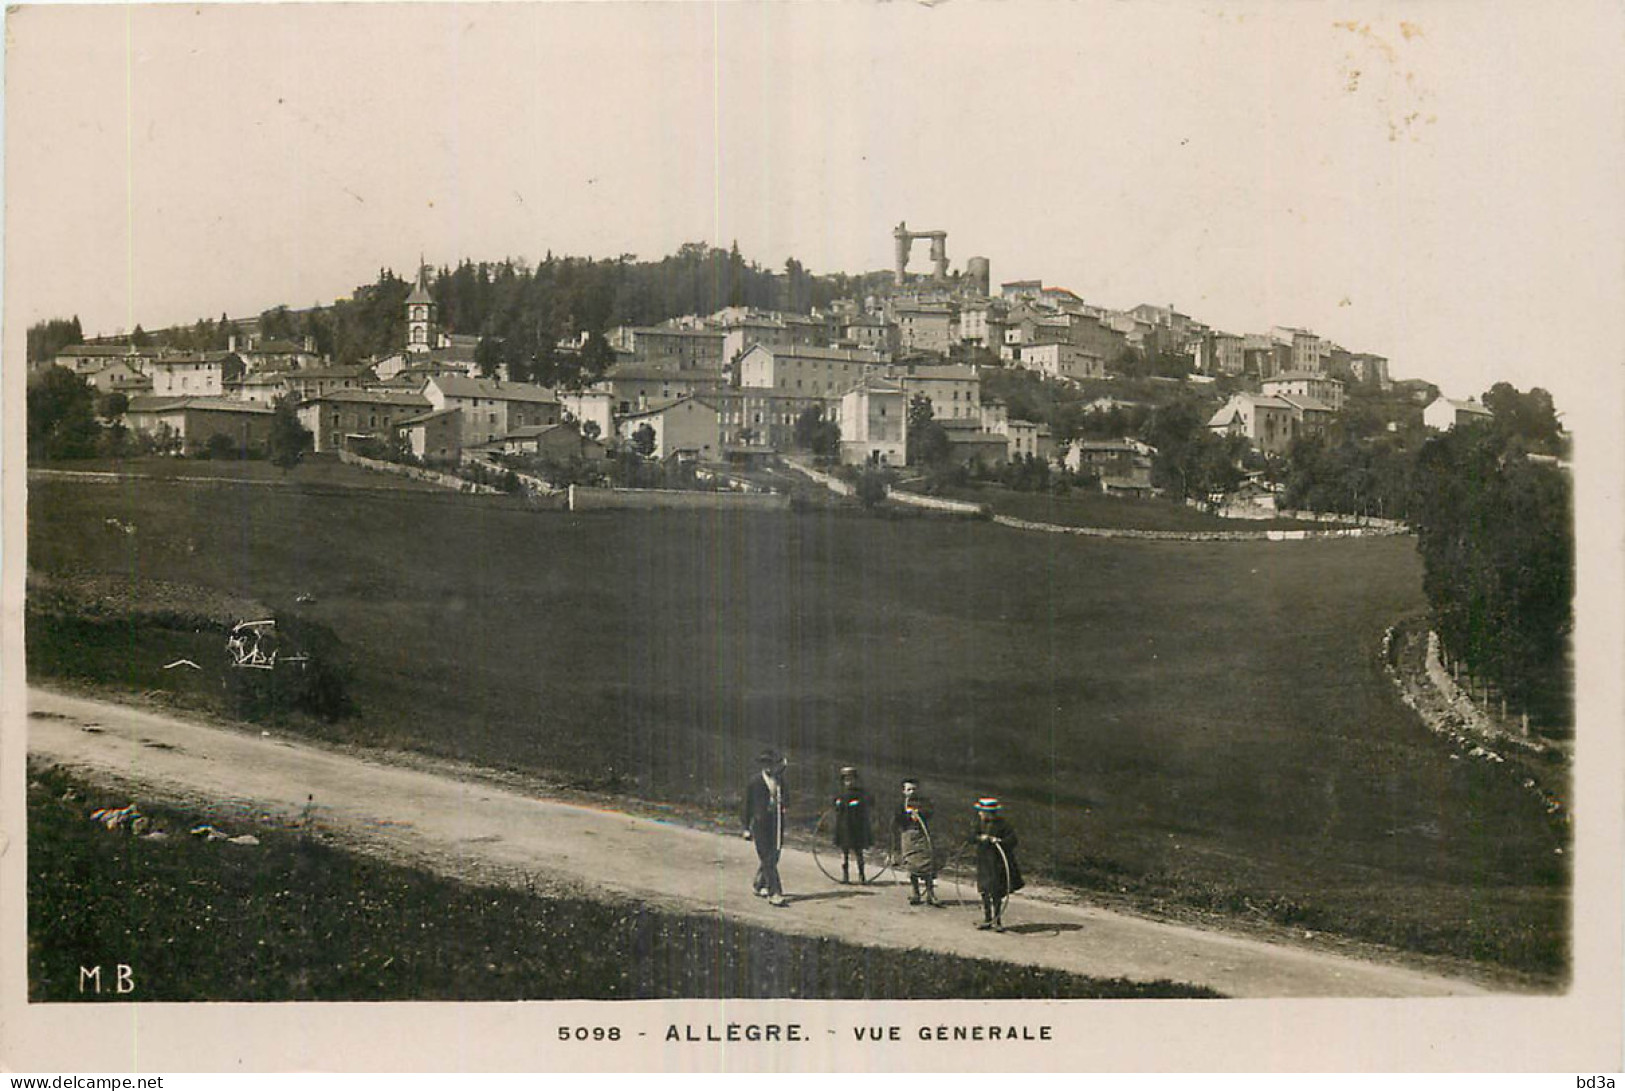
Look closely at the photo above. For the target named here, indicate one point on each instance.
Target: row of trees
(520, 309)
(1495, 529)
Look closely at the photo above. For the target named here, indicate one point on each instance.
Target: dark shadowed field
(1201, 724)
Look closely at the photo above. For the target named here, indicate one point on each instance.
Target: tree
(814, 433)
(1530, 417)
(1496, 535)
(927, 439)
(112, 406)
(596, 356)
(1173, 365)
(1192, 462)
(289, 440)
(643, 440)
(871, 488)
(488, 354)
(46, 339)
(61, 416)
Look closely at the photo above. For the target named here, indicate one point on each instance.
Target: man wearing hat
(997, 873)
(764, 824)
(854, 829)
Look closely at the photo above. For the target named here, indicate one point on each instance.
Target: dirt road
(465, 826)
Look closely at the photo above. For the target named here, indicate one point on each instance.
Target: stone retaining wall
(416, 473)
(935, 503)
(1195, 535)
(1446, 711)
(829, 481)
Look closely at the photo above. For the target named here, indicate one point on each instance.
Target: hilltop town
(938, 369)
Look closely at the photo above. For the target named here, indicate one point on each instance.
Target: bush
(872, 487)
(219, 445)
(318, 686)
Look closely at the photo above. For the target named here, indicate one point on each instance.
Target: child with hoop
(997, 873)
(911, 826)
(854, 830)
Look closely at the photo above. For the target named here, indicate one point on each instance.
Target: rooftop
(425, 418)
(1294, 376)
(147, 403)
(373, 396)
(461, 386)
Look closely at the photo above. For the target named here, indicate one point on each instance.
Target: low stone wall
(416, 473)
(1369, 522)
(733, 483)
(935, 503)
(584, 498)
(1258, 513)
(1459, 701)
(1428, 690)
(829, 481)
(1192, 535)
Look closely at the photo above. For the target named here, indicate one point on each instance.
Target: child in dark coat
(854, 826)
(911, 825)
(998, 875)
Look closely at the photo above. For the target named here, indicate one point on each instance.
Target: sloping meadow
(1193, 726)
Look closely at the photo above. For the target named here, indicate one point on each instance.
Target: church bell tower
(420, 316)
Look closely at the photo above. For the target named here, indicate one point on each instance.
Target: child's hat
(989, 805)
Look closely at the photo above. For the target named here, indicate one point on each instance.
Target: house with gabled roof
(274, 354)
(193, 375)
(686, 427)
(433, 437)
(804, 370)
(120, 376)
(634, 386)
(315, 382)
(341, 419)
(491, 408)
(1269, 424)
(873, 417)
(82, 359)
(1322, 388)
(189, 424)
(1443, 414)
(555, 441)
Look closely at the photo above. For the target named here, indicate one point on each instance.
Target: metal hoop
(822, 832)
(1005, 901)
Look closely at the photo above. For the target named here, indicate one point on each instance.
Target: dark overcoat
(854, 821)
(764, 821)
(991, 878)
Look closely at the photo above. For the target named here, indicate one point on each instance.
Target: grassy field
(293, 918)
(1186, 724)
(1082, 508)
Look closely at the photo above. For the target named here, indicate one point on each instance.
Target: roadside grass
(1203, 724)
(294, 918)
(1081, 508)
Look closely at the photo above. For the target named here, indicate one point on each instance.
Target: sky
(1436, 182)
